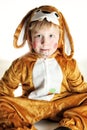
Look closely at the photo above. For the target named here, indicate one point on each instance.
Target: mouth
(45, 52)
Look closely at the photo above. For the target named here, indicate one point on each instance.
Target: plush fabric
(68, 108)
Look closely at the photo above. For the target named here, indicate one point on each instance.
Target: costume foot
(62, 128)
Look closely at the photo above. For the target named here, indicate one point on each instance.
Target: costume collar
(32, 56)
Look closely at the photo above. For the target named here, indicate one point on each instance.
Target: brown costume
(68, 107)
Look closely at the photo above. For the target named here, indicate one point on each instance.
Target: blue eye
(38, 36)
(51, 35)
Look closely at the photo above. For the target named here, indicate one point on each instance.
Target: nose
(44, 41)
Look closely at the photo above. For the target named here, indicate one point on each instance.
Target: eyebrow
(35, 32)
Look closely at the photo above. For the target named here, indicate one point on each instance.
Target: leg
(22, 112)
(9, 119)
(74, 114)
(75, 118)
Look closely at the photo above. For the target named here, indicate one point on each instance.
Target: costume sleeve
(11, 78)
(75, 79)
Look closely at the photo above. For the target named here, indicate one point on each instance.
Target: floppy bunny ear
(68, 46)
(20, 31)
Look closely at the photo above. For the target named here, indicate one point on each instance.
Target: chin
(45, 56)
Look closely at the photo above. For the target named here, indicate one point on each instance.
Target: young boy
(52, 85)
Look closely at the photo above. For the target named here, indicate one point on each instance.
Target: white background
(12, 12)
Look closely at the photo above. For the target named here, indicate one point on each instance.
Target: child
(52, 85)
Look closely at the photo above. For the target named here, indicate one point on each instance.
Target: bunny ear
(20, 31)
(66, 39)
(17, 34)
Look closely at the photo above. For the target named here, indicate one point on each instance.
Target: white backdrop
(12, 11)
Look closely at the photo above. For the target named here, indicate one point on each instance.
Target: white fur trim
(50, 17)
(47, 78)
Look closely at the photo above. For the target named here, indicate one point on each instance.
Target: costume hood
(53, 15)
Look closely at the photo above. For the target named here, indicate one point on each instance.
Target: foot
(62, 128)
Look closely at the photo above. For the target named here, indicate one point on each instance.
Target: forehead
(46, 30)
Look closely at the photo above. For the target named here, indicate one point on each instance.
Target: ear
(19, 35)
(67, 41)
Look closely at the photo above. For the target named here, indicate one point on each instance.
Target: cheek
(55, 45)
(34, 45)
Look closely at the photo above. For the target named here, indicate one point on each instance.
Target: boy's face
(45, 41)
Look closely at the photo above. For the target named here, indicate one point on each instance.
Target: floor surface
(46, 125)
